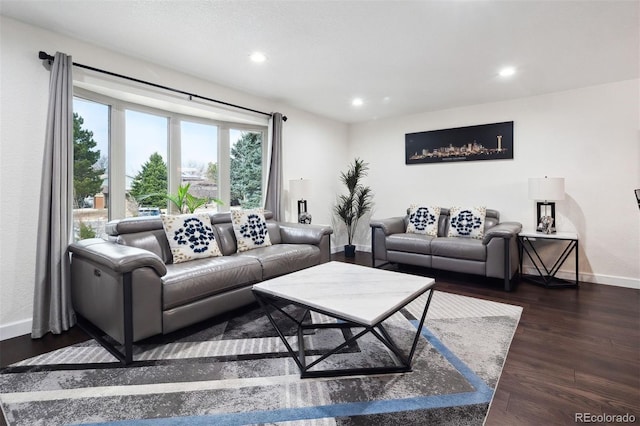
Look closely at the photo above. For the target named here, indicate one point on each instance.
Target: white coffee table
(359, 297)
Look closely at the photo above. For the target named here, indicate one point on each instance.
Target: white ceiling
(401, 57)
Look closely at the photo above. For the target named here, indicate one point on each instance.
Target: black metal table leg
(403, 363)
(546, 276)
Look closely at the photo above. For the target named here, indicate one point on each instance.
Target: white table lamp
(546, 190)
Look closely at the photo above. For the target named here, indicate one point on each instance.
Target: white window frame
(117, 149)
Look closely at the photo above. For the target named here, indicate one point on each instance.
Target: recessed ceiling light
(507, 71)
(357, 102)
(258, 57)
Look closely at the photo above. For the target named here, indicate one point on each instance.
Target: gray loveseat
(495, 255)
(129, 288)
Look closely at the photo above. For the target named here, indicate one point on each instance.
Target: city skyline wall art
(471, 143)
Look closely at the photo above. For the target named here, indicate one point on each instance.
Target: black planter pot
(349, 251)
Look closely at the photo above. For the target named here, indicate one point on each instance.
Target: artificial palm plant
(356, 203)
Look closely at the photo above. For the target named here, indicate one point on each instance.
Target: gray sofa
(128, 287)
(495, 255)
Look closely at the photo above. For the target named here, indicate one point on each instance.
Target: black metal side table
(547, 275)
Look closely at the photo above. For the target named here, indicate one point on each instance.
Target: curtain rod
(45, 56)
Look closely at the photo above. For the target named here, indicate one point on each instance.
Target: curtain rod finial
(44, 55)
(47, 60)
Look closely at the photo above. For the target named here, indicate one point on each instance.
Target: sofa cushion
(443, 222)
(491, 219)
(190, 281)
(459, 248)
(423, 220)
(411, 243)
(467, 222)
(282, 259)
(190, 236)
(250, 229)
(227, 237)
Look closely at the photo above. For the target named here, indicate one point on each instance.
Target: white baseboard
(15, 329)
(340, 249)
(567, 275)
(588, 277)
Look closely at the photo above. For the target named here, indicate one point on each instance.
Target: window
(142, 153)
(246, 168)
(90, 165)
(199, 161)
(146, 162)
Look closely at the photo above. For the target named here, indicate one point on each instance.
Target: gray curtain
(273, 200)
(52, 310)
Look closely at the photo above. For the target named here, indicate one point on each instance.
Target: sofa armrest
(298, 233)
(505, 230)
(393, 225)
(117, 257)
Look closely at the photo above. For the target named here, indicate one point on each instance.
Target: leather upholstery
(282, 259)
(200, 310)
(502, 230)
(486, 257)
(459, 248)
(226, 238)
(133, 225)
(297, 233)
(154, 241)
(189, 281)
(393, 225)
(116, 257)
(412, 243)
(169, 296)
(96, 294)
(458, 265)
(274, 232)
(409, 258)
(443, 223)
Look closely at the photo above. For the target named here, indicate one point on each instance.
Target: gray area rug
(235, 370)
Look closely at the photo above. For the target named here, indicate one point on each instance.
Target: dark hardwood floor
(575, 351)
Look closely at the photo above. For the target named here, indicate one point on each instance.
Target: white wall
(311, 154)
(311, 145)
(588, 136)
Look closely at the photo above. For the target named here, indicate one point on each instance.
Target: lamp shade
(546, 189)
(299, 188)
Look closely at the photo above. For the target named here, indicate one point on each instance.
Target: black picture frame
(471, 143)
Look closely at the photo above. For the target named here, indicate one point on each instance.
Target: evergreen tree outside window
(246, 169)
(150, 184)
(90, 163)
(147, 142)
(87, 180)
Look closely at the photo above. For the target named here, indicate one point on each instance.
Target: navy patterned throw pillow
(190, 236)
(467, 222)
(423, 220)
(250, 229)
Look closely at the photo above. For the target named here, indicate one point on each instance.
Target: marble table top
(356, 293)
(554, 236)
